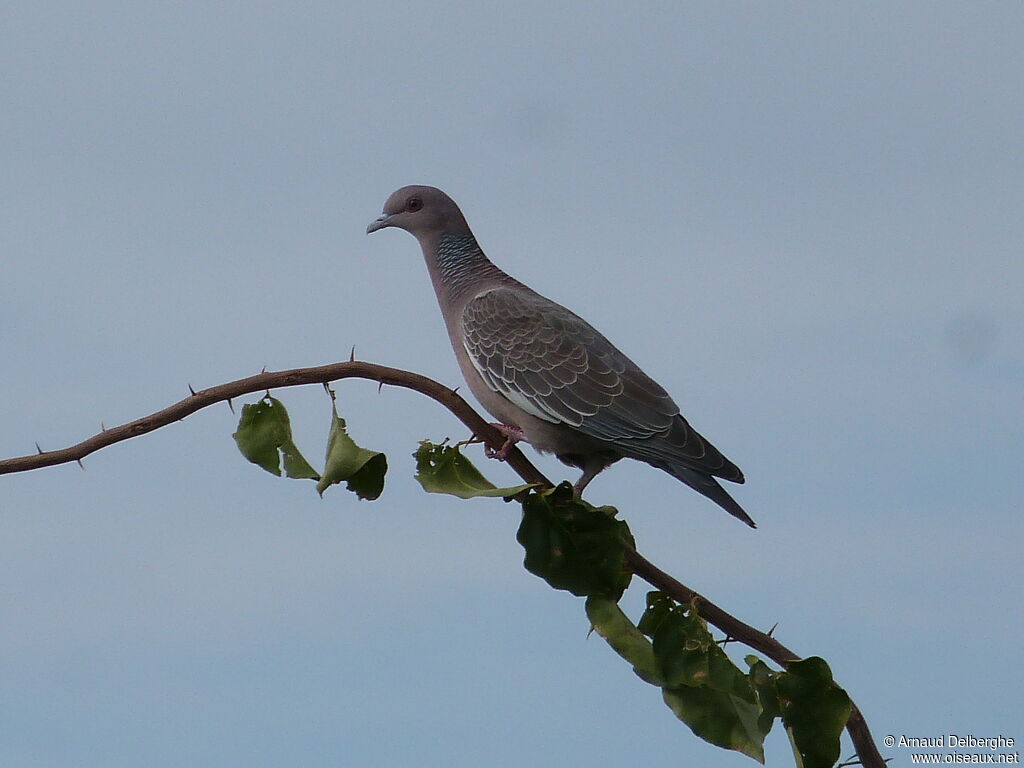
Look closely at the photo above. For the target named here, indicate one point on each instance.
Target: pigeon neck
(458, 263)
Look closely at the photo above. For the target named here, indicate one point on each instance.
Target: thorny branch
(857, 727)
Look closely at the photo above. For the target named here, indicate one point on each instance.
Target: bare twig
(857, 727)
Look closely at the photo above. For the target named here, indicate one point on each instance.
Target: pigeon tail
(708, 486)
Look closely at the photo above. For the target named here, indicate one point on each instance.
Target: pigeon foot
(513, 435)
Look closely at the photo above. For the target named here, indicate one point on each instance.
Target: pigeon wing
(553, 364)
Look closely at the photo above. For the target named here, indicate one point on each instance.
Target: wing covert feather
(555, 365)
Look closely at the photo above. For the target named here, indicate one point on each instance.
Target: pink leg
(513, 435)
(588, 474)
(592, 466)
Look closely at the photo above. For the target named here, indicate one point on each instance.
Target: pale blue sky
(804, 220)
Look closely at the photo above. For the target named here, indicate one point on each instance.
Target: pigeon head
(423, 212)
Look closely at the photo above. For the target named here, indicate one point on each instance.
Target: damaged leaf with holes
(264, 437)
(444, 469)
(573, 545)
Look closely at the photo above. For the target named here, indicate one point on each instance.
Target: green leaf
(680, 646)
(622, 635)
(814, 711)
(763, 680)
(689, 655)
(264, 436)
(443, 469)
(362, 469)
(703, 687)
(573, 545)
(724, 719)
(659, 605)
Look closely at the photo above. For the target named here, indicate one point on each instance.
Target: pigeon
(548, 376)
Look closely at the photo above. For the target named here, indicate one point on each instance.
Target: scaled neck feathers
(460, 266)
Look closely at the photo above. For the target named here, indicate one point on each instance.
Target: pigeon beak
(379, 223)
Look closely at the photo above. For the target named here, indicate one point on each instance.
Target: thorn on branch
(103, 427)
(380, 386)
(81, 466)
(191, 390)
(263, 369)
(772, 630)
(38, 449)
(352, 354)
(231, 405)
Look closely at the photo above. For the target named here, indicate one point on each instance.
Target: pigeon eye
(413, 204)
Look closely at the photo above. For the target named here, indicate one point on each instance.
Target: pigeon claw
(513, 435)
